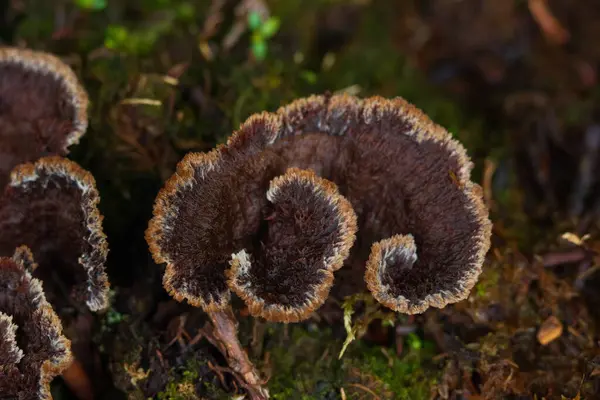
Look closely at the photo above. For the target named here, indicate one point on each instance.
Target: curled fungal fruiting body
(43, 108)
(33, 349)
(311, 230)
(423, 229)
(297, 228)
(51, 206)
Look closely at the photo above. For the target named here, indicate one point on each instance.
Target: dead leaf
(550, 330)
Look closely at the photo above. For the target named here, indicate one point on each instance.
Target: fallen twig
(548, 23)
(78, 381)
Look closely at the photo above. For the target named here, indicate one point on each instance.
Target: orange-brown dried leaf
(550, 330)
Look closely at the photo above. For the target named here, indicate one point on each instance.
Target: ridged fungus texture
(423, 229)
(43, 107)
(310, 231)
(52, 207)
(408, 181)
(33, 349)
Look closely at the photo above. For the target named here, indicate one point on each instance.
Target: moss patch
(307, 367)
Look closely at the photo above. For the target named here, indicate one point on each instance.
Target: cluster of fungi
(292, 197)
(48, 213)
(324, 182)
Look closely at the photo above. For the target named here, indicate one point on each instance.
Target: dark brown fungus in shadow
(216, 205)
(189, 231)
(43, 107)
(310, 232)
(33, 349)
(51, 206)
(420, 217)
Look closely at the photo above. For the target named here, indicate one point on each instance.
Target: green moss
(307, 367)
(405, 377)
(488, 280)
(183, 384)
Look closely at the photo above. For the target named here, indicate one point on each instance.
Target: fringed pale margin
(40, 174)
(241, 266)
(337, 115)
(43, 317)
(426, 130)
(194, 166)
(10, 353)
(47, 64)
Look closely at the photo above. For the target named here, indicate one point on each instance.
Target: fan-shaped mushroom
(220, 203)
(43, 108)
(33, 349)
(297, 226)
(51, 206)
(419, 215)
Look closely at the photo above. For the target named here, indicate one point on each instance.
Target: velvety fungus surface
(33, 349)
(52, 207)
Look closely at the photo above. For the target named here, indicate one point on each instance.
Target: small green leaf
(309, 77)
(254, 20)
(113, 317)
(91, 4)
(115, 36)
(270, 27)
(414, 341)
(389, 321)
(185, 11)
(259, 49)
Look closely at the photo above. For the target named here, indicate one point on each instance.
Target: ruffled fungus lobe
(311, 230)
(188, 229)
(419, 215)
(43, 108)
(51, 206)
(217, 204)
(408, 181)
(33, 349)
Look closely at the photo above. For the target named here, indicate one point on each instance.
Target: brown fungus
(311, 230)
(407, 179)
(51, 206)
(33, 349)
(43, 107)
(420, 217)
(187, 229)
(219, 204)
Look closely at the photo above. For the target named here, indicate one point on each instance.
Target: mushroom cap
(33, 349)
(52, 207)
(403, 174)
(310, 232)
(184, 232)
(43, 107)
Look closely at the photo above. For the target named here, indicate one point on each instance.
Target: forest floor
(515, 81)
